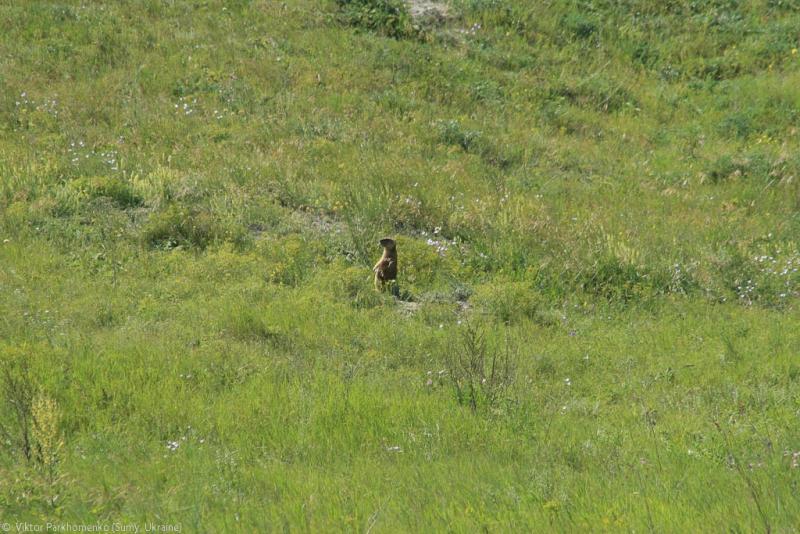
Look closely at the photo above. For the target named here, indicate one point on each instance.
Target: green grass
(191, 195)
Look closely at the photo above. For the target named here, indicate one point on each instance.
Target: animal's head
(388, 243)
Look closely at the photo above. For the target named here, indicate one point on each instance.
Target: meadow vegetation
(597, 211)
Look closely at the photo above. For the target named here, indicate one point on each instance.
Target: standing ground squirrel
(386, 268)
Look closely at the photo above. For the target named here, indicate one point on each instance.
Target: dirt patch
(428, 12)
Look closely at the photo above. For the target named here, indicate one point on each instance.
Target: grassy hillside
(597, 209)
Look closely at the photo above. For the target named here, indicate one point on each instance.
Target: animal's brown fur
(386, 268)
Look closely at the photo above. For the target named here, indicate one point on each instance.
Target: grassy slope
(190, 197)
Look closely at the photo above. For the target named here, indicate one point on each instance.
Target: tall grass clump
(386, 17)
(19, 392)
(188, 227)
(480, 374)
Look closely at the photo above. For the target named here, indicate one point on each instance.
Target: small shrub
(479, 374)
(386, 17)
(30, 421)
(47, 441)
